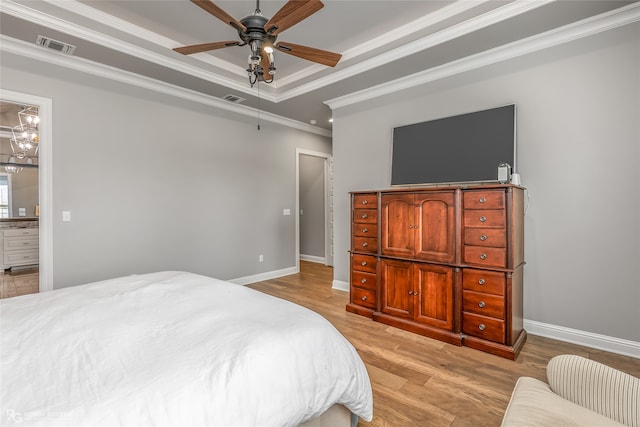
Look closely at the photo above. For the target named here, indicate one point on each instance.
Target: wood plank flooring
(418, 381)
(19, 283)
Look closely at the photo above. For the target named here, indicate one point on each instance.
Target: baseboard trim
(264, 276)
(587, 339)
(313, 258)
(340, 285)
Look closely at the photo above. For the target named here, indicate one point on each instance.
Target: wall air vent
(233, 98)
(56, 45)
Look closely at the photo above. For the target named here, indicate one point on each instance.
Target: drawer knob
(364, 202)
(483, 200)
(482, 327)
(410, 226)
(483, 218)
(483, 237)
(412, 293)
(364, 298)
(365, 216)
(363, 263)
(363, 281)
(481, 304)
(365, 244)
(364, 230)
(481, 282)
(483, 256)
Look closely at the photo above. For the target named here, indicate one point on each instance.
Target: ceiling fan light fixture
(260, 34)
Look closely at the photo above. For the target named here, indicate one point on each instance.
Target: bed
(174, 349)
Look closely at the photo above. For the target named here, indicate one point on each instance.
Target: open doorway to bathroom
(19, 198)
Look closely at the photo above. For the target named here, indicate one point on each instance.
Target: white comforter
(171, 349)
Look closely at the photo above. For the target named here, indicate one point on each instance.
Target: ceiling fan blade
(291, 13)
(323, 57)
(204, 47)
(217, 11)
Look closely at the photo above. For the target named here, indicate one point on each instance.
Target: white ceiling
(381, 41)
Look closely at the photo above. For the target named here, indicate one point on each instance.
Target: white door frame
(44, 180)
(327, 205)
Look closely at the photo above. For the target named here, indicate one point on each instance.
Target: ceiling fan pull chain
(258, 87)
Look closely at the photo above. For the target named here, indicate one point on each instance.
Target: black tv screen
(464, 148)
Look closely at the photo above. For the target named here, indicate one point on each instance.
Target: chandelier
(24, 140)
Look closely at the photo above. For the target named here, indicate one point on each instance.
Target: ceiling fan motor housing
(255, 31)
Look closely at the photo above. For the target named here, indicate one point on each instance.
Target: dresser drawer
(365, 244)
(489, 257)
(493, 237)
(21, 257)
(365, 230)
(483, 327)
(365, 201)
(484, 304)
(363, 297)
(484, 218)
(366, 263)
(21, 232)
(490, 282)
(484, 199)
(365, 216)
(363, 280)
(15, 243)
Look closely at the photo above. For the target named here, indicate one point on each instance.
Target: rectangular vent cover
(233, 98)
(56, 45)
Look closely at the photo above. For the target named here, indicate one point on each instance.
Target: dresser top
(436, 187)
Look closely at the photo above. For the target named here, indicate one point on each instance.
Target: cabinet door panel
(434, 303)
(395, 285)
(435, 235)
(398, 218)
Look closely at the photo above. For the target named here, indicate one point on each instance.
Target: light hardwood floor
(22, 283)
(418, 381)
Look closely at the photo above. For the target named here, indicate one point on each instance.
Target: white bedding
(172, 349)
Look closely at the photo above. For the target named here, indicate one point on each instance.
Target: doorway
(24, 208)
(314, 231)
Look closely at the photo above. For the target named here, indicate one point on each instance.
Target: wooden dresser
(445, 262)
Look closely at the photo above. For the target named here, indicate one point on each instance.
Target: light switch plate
(286, 212)
(66, 216)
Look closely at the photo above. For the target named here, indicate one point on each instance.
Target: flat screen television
(464, 148)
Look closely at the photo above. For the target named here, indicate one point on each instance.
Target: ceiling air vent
(233, 98)
(56, 45)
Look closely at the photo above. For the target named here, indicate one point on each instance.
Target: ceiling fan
(260, 34)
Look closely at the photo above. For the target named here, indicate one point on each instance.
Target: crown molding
(21, 48)
(399, 33)
(137, 31)
(482, 21)
(23, 12)
(505, 12)
(584, 28)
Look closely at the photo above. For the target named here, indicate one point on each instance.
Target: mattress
(172, 349)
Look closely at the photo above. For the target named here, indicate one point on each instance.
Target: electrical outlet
(261, 258)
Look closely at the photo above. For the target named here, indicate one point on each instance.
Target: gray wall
(158, 183)
(578, 124)
(312, 222)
